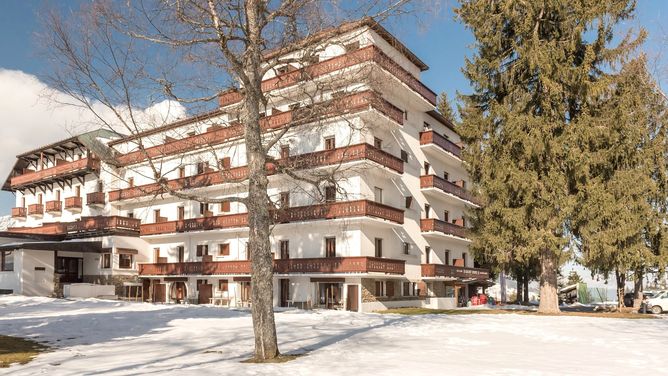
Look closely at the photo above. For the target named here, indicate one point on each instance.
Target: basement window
(6, 261)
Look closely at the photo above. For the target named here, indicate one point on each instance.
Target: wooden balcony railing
(36, 209)
(334, 210)
(436, 225)
(95, 198)
(54, 206)
(367, 54)
(340, 265)
(431, 137)
(299, 265)
(236, 174)
(433, 181)
(439, 270)
(19, 212)
(217, 135)
(87, 225)
(73, 203)
(61, 170)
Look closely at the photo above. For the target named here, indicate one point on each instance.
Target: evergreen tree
(445, 107)
(535, 66)
(573, 278)
(619, 213)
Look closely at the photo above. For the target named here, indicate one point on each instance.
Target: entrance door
(205, 293)
(285, 292)
(245, 293)
(70, 269)
(330, 295)
(178, 292)
(159, 292)
(353, 296)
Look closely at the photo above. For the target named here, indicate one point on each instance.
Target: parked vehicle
(628, 297)
(657, 303)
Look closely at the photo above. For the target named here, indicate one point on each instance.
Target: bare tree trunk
(621, 283)
(549, 300)
(525, 285)
(259, 218)
(637, 288)
(518, 289)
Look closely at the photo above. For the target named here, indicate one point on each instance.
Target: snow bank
(97, 337)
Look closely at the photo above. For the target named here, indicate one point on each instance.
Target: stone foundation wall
(116, 280)
(369, 292)
(368, 288)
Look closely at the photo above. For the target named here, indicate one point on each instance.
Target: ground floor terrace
(121, 338)
(359, 284)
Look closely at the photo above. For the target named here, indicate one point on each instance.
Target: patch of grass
(283, 358)
(428, 311)
(18, 350)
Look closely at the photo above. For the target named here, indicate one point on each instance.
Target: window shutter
(199, 251)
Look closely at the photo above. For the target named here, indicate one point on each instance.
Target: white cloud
(30, 119)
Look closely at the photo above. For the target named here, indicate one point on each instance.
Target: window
(409, 201)
(378, 195)
(106, 261)
(409, 289)
(427, 254)
(6, 261)
(404, 156)
(203, 208)
(125, 261)
(156, 216)
(181, 213)
(380, 288)
(407, 248)
(224, 249)
(427, 167)
(156, 254)
(248, 252)
(427, 209)
(330, 143)
(447, 257)
(285, 199)
(330, 247)
(405, 115)
(182, 172)
(39, 198)
(225, 163)
(100, 188)
(377, 142)
(131, 214)
(223, 285)
(285, 249)
(446, 176)
(180, 251)
(225, 206)
(330, 194)
(282, 70)
(57, 194)
(464, 258)
(285, 152)
(202, 167)
(23, 202)
(202, 250)
(378, 247)
(446, 215)
(426, 126)
(131, 183)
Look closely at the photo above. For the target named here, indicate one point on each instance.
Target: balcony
(431, 225)
(433, 139)
(95, 199)
(363, 55)
(64, 170)
(345, 154)
(87, 226)
(54, 207)
(333, 265)
(74, 204)
(36, 210)
(436, 182)
(19, 212)
(217, 134)
(346, 209)
(449, 271)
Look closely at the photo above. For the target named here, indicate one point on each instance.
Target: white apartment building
(387, 231)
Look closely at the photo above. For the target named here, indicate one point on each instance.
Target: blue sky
(440, 41)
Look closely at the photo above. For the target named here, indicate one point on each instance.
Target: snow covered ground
(96, 337)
